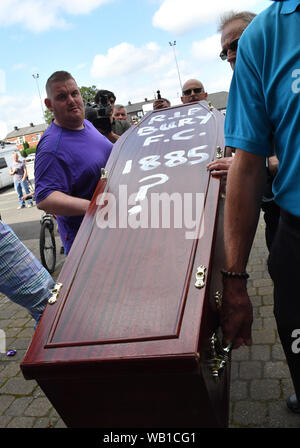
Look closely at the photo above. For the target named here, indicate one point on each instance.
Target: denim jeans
(19, 186)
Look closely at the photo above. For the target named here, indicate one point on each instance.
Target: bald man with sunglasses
(192, 91)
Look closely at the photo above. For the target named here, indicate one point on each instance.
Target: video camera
(100, 114)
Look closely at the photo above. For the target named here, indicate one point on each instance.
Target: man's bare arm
(58, 203)
(24, 174)
(245, 184)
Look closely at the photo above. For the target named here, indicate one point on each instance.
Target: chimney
(129, 103)
(146, 100)
(31, 124)
(16, 128)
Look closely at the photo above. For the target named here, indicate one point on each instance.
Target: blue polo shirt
(264, 98)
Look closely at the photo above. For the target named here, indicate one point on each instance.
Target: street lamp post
(36, 77)
(173, 46)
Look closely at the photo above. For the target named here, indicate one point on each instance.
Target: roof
(31, 129)
(130, 108)
(218, 99)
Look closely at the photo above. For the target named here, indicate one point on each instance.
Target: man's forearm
(244, 189)
(58, 203)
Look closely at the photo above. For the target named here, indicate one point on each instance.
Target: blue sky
(120, 45)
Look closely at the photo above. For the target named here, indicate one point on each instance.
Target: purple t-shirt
(70, 161)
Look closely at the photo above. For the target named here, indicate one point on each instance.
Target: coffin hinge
(219, 154)
(104, 173)
(55, 293)
(200, 276)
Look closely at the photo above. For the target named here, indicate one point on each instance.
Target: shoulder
(93, 134)
(120, 126)
(126, 125)
(51, 134)
(264, 24)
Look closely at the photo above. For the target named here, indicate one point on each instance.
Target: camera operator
(101, 115)
(160, 103)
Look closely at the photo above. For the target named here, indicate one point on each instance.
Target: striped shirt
(22, 278)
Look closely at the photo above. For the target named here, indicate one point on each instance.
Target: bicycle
(47, 242)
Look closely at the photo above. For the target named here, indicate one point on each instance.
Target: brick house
(30, 134)
(135, 111)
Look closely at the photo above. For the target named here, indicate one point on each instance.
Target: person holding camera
(69, 158)
(161, 103)
(101, 116)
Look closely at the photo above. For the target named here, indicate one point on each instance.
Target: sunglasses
(189, 91)
(232, 46)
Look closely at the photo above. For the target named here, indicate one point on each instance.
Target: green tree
(48, 116)
(88, 93)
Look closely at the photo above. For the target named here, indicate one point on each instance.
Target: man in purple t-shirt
(69, 158)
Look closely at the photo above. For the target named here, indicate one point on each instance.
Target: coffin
(131, 339)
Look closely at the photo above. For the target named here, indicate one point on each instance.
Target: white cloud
(19, 66)
(15, 111)
(80, 66)
(41, 15)
(178, 16)
(125, 59)
(207, 49)
(134, 73)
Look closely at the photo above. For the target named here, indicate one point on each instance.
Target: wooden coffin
(129, 341)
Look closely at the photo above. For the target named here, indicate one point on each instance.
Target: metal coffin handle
(220, 356)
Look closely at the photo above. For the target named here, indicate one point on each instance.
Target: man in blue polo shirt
(264, 102)
(69, 158)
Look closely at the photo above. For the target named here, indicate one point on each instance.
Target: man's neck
(71, 128)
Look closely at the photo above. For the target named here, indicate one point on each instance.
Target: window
(3, 163)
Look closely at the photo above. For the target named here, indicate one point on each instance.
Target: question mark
(144, 189)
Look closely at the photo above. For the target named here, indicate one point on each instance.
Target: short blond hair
(58, 76)
(228, 17)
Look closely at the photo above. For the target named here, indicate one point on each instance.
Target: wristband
(229, 274)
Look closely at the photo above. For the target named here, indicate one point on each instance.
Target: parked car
(6, 158)
(30, 158)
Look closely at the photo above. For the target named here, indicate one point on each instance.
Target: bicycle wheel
(30, 186)
(48, 246)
